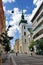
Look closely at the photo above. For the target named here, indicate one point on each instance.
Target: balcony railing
(40, 20)
(37, 30)
(37, 38)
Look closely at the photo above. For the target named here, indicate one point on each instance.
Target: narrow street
(21, 32)
(23, 59)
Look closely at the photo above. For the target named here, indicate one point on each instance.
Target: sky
(29, 8)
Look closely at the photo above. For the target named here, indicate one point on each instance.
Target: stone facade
(23, 39)
(16, 46)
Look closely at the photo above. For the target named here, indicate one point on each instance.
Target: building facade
(2, 22)
(23, 40)
(2, 18)
(37, 21)
(16, 46)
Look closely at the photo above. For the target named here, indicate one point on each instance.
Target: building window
(24, 33)
(42, 13)
(40, 17)
(24, 27)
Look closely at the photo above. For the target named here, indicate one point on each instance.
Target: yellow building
(16, 46)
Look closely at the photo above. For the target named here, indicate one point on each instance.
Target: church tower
(23, 45)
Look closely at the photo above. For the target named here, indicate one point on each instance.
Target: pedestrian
(31, 54)
(16, 53)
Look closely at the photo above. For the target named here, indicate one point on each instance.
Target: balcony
(40, 20)
(37, 38)
(38, 30)
(38, 16)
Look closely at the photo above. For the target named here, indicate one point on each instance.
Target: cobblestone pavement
(7, 61)
(24, 59)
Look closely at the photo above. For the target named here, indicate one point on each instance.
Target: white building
(37, 21)
(23, 41)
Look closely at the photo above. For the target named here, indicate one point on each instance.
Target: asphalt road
(24, 59)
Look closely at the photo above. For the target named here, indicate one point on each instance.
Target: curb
(12, 61)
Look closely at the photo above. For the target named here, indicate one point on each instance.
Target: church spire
(22, 19)
(22, 15)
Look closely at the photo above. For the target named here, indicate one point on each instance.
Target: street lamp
(12, 11)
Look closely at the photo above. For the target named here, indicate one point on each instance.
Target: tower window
(24, 27)
(24, 33)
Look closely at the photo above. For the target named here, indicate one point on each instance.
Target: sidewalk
(7, 62)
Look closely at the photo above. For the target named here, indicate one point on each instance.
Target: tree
(41, 44)
(7, 47)
(5, 40)
(31, 48)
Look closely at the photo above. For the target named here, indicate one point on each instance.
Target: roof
(22, 19)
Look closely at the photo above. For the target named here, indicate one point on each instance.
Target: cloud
(15, 20)
(16, 17)
(12, 31)
(6, 11)
(24, 11)
(37, 2)
(5, 1)
(4, 8)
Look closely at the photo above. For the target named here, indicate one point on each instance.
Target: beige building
(16, 46)
(37, 21)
